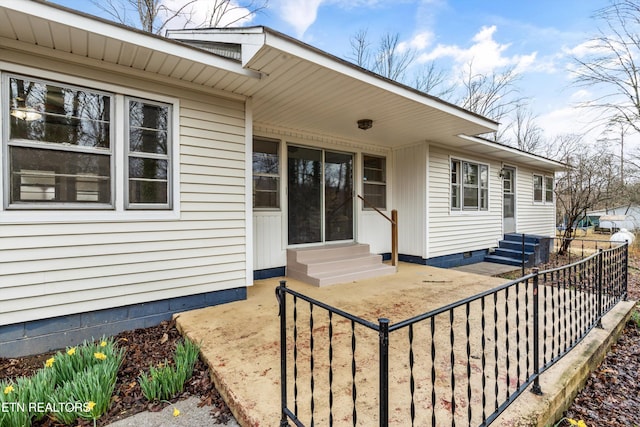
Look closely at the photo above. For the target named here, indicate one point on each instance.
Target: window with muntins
(59, 151)
(148, 156)
(62, 143)
(548, 189)
(266, 174)
(537, 188)
(469, 186)
(374, 181)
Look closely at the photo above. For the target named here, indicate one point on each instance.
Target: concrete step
(356, 261)
(511, 244)
(331, 264)
(327, 253)
(343, 276)
(502, 260)
(512, 253)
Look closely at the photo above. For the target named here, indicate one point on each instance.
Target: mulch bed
(611, 396)
(144, 347)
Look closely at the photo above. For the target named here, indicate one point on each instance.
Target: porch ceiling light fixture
(365, 124)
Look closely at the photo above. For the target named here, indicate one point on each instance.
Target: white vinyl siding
(75, 264)
(410, 199)
(533, 217)
(452, 232)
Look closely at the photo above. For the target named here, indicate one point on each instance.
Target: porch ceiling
(299, 94)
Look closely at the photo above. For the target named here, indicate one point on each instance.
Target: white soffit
(54, 27)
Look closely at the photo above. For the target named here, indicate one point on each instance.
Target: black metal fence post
(523, 253)
(384, 371)
(282, 300)
(600, 280)
(536, 335)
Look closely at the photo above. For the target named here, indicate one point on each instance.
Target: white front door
(509, 199)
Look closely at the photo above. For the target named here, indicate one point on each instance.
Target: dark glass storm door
(320, 195)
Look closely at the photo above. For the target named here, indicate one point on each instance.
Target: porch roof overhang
(293, 86)
(42, 28)
(508, 154)
(308, 90)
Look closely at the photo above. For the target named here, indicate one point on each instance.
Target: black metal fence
(461, 364)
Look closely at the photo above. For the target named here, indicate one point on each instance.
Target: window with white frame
(60, 145)
(548, 189)
(149, 169)
(266, 174)
(374, 181)
(469, 186)
(537, 188)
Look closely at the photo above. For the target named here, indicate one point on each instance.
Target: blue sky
(537, 37)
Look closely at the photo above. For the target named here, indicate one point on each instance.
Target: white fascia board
(326, 60)
(551, 164)
(251, 39)
(121, 33)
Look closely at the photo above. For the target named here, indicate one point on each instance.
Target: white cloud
(419, 42)
(571, 120)
(198, 13)
(485, 54)
(299, 14)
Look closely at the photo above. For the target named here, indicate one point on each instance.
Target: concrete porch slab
(240, 340)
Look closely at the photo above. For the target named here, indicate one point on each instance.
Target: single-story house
(143, 175)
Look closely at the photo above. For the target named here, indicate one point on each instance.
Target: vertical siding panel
(268, 251)
(410, 191)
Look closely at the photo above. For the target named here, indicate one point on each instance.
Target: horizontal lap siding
(532, 218)
(454, 232)
(53, 269)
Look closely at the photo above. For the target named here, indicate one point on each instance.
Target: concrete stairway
(331, 264)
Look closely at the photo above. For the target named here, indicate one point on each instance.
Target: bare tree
(388, 59)
(361, 49)
(610, 63)
(493, 95)
(583, 185)
(528, 136)
(154, 16)
(429, 79)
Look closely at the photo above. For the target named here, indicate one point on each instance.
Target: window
(537, 188)
(148, 156)
(59, 150)
(469, 186)
(374, 177)
(71, 147)
(266, 174)
(548, 189)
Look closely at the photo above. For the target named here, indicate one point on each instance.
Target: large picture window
(59, 149)
(469, 186)
(374, 184)
(266, 174)
(73, 147)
